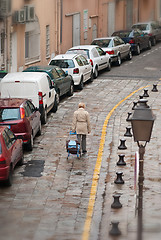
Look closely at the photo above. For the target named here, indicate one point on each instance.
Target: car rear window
(123, 34)
(63, 63)
(9, 114)
(84, 52)
(103, 43)
(142, 27)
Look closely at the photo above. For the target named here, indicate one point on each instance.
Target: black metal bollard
(154, 88)
(128, 116)
(135, 103)
(128, 132)
(116, 204)
(115, 230)
(119, 179)
(145, 93)
(122, 144)
(121, 161)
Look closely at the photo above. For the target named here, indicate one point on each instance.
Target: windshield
(63, 63)
(103, 42)
(9, 114)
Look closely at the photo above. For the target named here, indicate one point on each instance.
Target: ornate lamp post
(142, 122)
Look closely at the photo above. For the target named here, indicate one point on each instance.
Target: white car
(95, 55)
(75, 65)
(115, 47)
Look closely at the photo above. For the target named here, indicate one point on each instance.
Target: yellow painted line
(87, 225)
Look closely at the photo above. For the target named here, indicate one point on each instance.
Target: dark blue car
(136, 38)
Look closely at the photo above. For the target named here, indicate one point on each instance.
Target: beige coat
(81, 122)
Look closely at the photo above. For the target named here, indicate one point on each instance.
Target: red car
(11, 153)
(22, 117)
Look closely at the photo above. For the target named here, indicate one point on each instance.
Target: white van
(32, 85)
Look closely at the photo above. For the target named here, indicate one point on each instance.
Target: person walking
(81, 124)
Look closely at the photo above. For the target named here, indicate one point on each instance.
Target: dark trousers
(82, 141)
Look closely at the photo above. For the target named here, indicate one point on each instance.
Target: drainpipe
(138, 11)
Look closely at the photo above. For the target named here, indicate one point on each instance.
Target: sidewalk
(116, 129)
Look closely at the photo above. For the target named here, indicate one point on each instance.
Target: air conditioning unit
(30, 13)
(19, 16)
(5, 7)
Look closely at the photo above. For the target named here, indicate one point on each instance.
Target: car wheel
(129, 57)
(31, 143)
(44, 116)
(118, 60)
(96, 72)
(58, 97)
(81, 84)
(55, 107)
(39, 131)
(71, 90)
(109, 66)
(153, 41)
(8, 182)
(138, 49)
(21, 162)
(91, 77)
(149, 45)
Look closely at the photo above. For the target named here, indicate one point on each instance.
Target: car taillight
(2, 161)
(150, 34)
(91, 62)
(22, 112)
(110, 52)
(40, 98)
(131, 41)
(75, 70)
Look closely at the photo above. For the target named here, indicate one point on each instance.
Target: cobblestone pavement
(50, 194)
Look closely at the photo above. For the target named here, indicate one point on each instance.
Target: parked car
(152, 28)
(115, 47)
(137, 39)
(22, 117)
(62, 82)
(2, 74)
(36, 86)
(11, 153)
(95, 55)
(76, 65)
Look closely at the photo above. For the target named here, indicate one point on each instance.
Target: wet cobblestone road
(50, 194)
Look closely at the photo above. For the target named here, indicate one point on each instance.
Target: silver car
(152, 28)
(115, 47)
(98, 58)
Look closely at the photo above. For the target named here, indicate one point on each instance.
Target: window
(31, 106)
(32, 42)
(47, 41)
(2, 43)
(79, 61)
(60, 72)
(63, 63)
(100, 51)
(9, 114)
(9, 137)
(84, 60)
(55, 74)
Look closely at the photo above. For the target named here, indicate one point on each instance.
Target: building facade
(33, 31)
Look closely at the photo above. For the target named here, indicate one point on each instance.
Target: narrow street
(53, 198)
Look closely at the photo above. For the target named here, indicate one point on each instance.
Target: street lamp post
(142, 122)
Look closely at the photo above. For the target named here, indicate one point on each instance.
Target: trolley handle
(72, 133)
